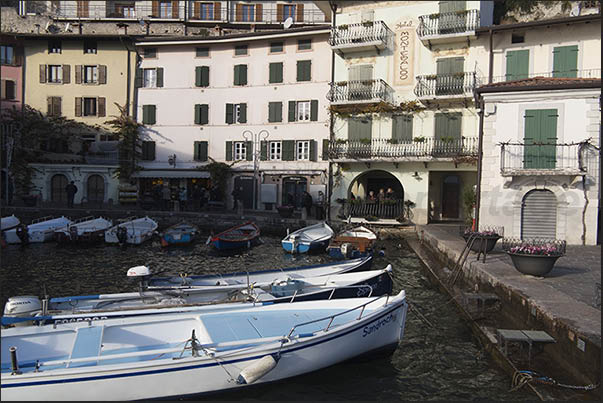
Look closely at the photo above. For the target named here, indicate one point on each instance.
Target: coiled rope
(521, 378)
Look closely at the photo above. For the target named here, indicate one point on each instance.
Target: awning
(170, 173)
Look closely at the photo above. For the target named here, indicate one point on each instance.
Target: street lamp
(256, 144)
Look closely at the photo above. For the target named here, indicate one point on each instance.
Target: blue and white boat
(209, 349)
(313, 238)
(40, 230)
(9, 222)
(179, 234)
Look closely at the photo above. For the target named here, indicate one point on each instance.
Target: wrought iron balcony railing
(542, 159)
(388, 209)
(365, 91)
(392, 149)
(586, 73)
(359, 35)
(447, 85)
(456, 22)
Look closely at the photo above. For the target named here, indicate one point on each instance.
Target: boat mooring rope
(520, 378)
(412, 308)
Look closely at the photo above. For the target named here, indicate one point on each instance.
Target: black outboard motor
(122, 235)
(73, 235)
(22, 233)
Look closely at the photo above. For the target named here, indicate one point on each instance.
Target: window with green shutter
(314, 110)
(240, 74)
(202, 52)
(148, 150)
(229, 113)
(402, 129)
(276, 47)
(249, 150)
(304, 44)
(242, 113)
(448, 126)
(288, 150)
(325, 149)
(565, 61)
(200, 151)
(201, 114)
(275, 112)
(202, 76)
(518, 64)
(148, 114)
(229, 151)
(275, 73)
(159, 77)
(304, 68)
(449, 77)
(360, 129)
(540, 138)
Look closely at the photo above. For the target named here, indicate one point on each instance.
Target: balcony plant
(343, 27)
(419, 139)
(367, 24)
(534, 257)
(447, 139)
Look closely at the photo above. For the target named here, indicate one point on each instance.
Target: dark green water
(443, 362)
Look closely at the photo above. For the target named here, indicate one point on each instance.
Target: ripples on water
(440, 363)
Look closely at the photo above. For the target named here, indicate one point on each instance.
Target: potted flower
(484, 240)
(534, 257)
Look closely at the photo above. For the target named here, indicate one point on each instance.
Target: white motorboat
(313, 237)
(87, 229)
(9, 222)
(133, 231)
(200, 351)
(40, 230)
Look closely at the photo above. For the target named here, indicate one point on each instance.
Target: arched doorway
(294, 187)
(450, 196)
(57, 188)
(95, 189)
(539, 215)
(375, 180)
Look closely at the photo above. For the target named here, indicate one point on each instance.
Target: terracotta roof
(536, 83)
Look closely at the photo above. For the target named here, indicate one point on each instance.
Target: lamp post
(256, 147)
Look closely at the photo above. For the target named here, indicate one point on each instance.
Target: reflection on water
(444, 363)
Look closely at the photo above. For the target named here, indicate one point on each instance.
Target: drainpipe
(600, 172)
(490, 61)
(333, 6)
(478, 189)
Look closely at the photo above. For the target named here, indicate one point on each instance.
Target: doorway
(294, 186)
(57, 189)
(247, 183)
(96, 189)
(450, 197)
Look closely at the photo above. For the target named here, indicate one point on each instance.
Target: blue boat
(242, 236)
(308, 239)
(179, 234)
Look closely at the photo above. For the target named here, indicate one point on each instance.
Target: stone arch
(374, 179)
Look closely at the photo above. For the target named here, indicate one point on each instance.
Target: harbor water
(438, 359)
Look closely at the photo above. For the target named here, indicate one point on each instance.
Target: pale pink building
(11, 57)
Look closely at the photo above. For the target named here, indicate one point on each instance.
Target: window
(55, 74)
(149, 53)
(149, 78)
(275, 151)
(89, 107)
(240, 50)
(7, 54)
(304, 68)
(54, 46)
(360, 129)
(275, 111)
(90, 46)
(126, 10)
(201, 114)
(304, 44)
(565, 61)
(288, 11)
(240, 74)
(148, 150)
(165, 9)
(275, 73)
(303, 150)
(303, 111)
(247, 11)
(518, 64)
(276, 47)
(517, 38)
(8, 90)
(236, 113)
(54, 106)
(202, 52)
(148, 114)
(448, 126)
(402, 129)
(200, 151)
(240, 150)
(207, 11)
(90, 74)
(202, 76)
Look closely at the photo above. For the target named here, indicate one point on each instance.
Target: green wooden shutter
(148, 114)
(292, 105)
(242, 113)
(137, 78)
(204, 76)
(204, 114)
(402, 128)
(275, 111)
(229, 113)
(275, 73)
(325, 149)
(540, 137)
(304, 68)
(313, 156)
(198, 76)
(565, 61)
(249, 150)
(200, 151)
(455, 121)
(288, 150)
(240, 74)
(229, 151)
(314, 110)
(263, 151)
(148, 150)
(197, 114)
(244, 75)
(359, 129)
(518, 64)
(159, 77)
(237, 75)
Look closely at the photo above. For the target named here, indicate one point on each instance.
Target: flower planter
(535, 265)
(478, 243)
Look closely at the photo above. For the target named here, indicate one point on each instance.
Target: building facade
(253, 101)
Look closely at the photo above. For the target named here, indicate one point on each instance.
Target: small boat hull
(179, 234)
(314, 238)
(42, 230)
(239, 237)
(134, 232)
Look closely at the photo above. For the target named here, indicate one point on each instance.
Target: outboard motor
(73, 235)
(22, 233)
(122, 236)
(140, 271)
(22, 307)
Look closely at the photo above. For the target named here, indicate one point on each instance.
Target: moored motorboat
(86, 229)
(133, 230)
(40, 230)
(200, 351)
(238, 237)
(179, 234)
(352, 243)
(9, 222)
(312, 238)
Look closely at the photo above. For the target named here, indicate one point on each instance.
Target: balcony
(388, 209)
(459, 85)
(541, 159)
(584, 73)
(360, 92)
(448, 27)
(360, 37)
(387, 149)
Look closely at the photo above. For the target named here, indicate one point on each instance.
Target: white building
(542, 116)
(256, 101)
(403, 99)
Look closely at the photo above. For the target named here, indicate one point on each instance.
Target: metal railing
(361, 91)
(389, 148)
(443, 85)
(456, 22)
(542, 157)
(388, 209)
(360, 33)
(586, 73)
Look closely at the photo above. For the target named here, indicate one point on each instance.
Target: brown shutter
(155, 8)
(217, 11)
(175, 10)
(101, 109)
(239, 13)
(102, 74)
(258, 12)
(49, 105)
(42, 73)
(56, 106)
(300, 12)
(78, 106)
(197, 10)
(78, 74)
(18, 56)
(279, 12)
(66, 74)
(82, 8)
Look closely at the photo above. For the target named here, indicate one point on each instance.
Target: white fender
(256, 370)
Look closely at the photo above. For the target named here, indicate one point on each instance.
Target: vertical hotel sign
(405, 47)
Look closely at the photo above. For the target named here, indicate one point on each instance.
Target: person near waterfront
(166, 196)
(381, 195)
(236, 196)
(197, 202)
(320, 210)
(183, 198)
(71, 190)
(307, 202)
(371, 197)
(390, 194)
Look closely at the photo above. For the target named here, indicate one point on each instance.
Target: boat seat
(87, 344)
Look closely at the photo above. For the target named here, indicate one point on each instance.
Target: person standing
(307, 202)
(236, 195)
(320, 201)
(71, 190)
(390, 194)
(166, 196)
(183, 199)
(381, 195)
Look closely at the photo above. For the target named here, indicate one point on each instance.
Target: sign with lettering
(404, 52)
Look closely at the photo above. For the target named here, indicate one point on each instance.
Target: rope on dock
(412, 308)
(520, 378)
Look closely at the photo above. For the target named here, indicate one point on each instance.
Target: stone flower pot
(478, 243)
(535, 265)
